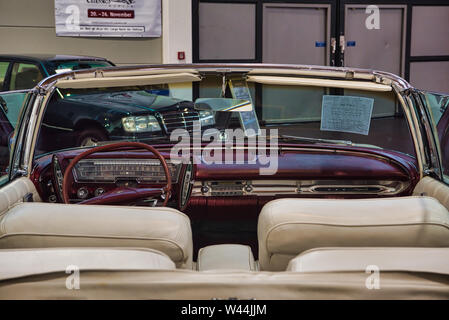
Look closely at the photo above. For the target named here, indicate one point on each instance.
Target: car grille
(179, 120)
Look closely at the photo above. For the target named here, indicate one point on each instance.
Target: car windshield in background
(300, 113)
(62, 66)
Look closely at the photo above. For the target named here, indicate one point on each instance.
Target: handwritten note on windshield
(346, 114)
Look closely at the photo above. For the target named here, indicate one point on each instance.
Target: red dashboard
(301, 171)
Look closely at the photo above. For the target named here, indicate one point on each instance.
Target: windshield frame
(398, 84)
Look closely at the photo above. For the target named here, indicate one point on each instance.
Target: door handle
(342, 50)
(333, 50)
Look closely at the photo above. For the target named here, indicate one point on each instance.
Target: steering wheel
(122, 194)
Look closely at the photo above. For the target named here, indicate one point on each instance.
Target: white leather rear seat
(288, 227)
(42, 225)
(434, 260)
(15, 263)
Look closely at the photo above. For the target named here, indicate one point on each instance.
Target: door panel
(296, 33)
(380, 49)
(227, 31)
(430, 75)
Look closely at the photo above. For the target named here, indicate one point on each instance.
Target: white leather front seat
(288, 227)
(43, 225)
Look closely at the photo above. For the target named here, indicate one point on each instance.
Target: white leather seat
(288, 227)
(16, 263)
(431, 187)
(434, 260)
(42, 225)
(14, 191)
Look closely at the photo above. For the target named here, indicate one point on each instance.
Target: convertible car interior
(351, 181)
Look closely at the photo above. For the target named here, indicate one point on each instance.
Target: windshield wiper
(315, 140)
(330, 141)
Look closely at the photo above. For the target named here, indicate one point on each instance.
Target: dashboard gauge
(186, 186)
(112, 170)
(58, 176)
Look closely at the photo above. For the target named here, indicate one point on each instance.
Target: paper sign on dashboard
(346, 114)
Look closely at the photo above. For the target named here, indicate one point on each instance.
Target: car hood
(131, 102)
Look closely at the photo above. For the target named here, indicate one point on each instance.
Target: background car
(19, 72)
(117, 114)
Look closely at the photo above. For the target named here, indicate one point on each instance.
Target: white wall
(28, 26)
(176, 30)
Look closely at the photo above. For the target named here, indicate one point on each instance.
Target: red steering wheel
(122, 194)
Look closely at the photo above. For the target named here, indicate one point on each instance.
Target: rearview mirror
(223, 104)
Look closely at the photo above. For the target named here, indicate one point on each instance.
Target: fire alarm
(181, 55)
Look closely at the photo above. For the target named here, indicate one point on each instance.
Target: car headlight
(207, 118)
(141, 124)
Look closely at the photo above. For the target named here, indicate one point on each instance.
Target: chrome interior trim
(124, 173)
(303, 187)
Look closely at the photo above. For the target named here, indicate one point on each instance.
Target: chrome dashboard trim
(117, 177)
(295, 187)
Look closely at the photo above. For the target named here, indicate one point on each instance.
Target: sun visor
(101, 82)
(296, 81)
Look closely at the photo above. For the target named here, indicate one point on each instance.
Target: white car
(314, 183)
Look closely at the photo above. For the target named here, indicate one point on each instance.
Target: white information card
(346, 114)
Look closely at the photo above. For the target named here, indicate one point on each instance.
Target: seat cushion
(226, 256)
(42, 225)
(15, 263)
(288, 227)
(433, 260)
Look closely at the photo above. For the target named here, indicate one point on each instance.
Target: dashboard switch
(204, 189)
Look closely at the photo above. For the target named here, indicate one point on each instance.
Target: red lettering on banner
(112, 14)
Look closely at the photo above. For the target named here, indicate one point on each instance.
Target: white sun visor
(297, 81)
(143, 80)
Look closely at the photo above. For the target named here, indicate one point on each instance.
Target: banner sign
(108, 18)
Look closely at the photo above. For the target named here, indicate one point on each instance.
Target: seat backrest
(288, 227)
(44, 225)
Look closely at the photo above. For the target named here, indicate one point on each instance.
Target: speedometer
(111, 170)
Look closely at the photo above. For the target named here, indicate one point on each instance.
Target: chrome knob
(204, 189)
(82, 193)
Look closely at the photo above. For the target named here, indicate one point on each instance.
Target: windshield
(301, 114)
(59, 66)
